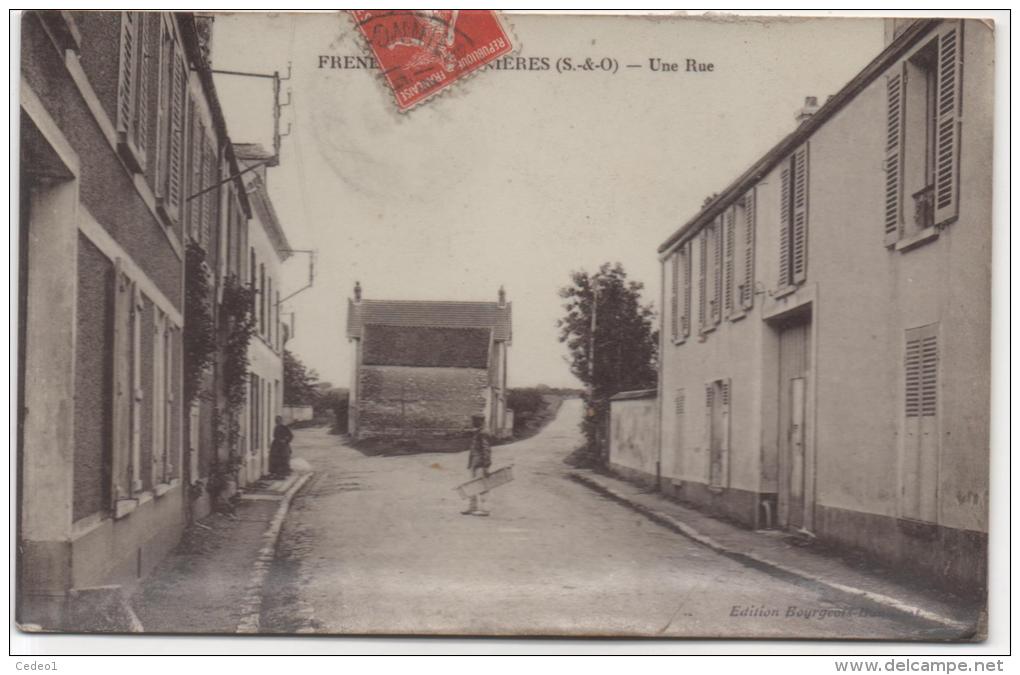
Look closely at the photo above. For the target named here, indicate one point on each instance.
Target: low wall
(297, 413)
(633, 439)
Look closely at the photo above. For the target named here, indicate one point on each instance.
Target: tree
(605, 317)
(298, 381)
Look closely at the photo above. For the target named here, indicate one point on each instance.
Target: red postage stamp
(423, 52)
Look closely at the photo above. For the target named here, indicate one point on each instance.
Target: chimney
(204, 28)
(357, 292)
(502, 297)
(810, 108)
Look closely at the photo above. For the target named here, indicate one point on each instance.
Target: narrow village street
(377, 545)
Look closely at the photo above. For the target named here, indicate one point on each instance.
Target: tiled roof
(441, 314)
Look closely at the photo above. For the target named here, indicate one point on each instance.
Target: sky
(513, 177)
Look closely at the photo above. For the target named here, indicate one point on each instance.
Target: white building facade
(826, 326)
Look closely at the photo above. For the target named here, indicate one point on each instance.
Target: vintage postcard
(467, 323)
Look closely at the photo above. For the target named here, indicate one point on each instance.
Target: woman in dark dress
(279, 452)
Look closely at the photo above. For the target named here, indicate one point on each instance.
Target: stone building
(126, 169)
(267, 250)
(425, 368)
(825, 340)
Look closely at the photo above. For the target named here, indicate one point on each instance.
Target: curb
(252, 603)
(757, 561)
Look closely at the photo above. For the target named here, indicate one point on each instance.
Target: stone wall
(405, 401)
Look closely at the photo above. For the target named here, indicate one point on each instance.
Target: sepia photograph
(472, 323)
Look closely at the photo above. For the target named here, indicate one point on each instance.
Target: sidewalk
(778, 553)
(212, 581)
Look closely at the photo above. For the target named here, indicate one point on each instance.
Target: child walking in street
(479, 461)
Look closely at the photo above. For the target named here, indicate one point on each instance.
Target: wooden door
(794, 478)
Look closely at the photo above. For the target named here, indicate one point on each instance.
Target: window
(923, 101)
(173, 78)
(194, 420)
(711, 277)
(270, 320)
(162, 399)
(920, 454)
(717, 428)
(678, 432)
(739, 268)
(254, 407)
(279, 331)
(681, 299)
(133, 87)
(745, 289)
(262, 299)
(195, 183)
(793, 219)
(211, 199)
(128, 394)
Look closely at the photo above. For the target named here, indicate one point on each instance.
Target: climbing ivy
(238, 324)
(199, 325)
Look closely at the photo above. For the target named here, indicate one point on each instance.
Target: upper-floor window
(738, 280)
(262, 299)
(922, 137)
(680, 306)
(793, 219)
(136, 57)
(710, 275)
(168, 170)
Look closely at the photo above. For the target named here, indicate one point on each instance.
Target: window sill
(738, 315)
(929, 233)
(164, 488)
(124, 507)
(784, 291)
(131, 155)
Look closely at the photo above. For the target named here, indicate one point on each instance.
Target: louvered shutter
(724, 429)
(137, 393)
(175, 170)
(895, 99)
(678, 432)
(947, 131)
(158, 454)
(729, 244)
(702, 279)
(195, 202)
(717, 270)
(140, 119)
(800, 215)
(122, 385)
(162, 112)
(209, 199)
(785, 225)
(126, 90)
(919, 478)
(686, 327)
(709, 401)
(747, 289)
(169, 465)
(674, 305)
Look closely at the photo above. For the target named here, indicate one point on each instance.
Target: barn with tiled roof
(425, 368)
